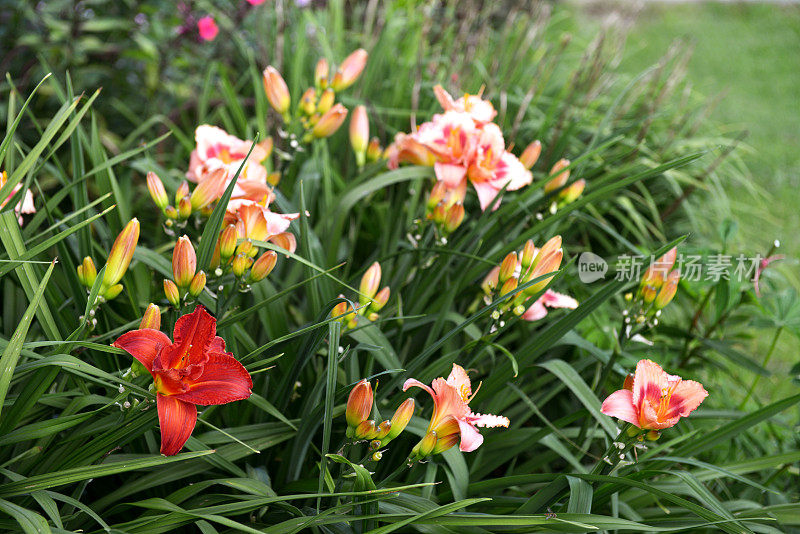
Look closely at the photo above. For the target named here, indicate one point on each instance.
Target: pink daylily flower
(481, 111)
(549, 299)
(216, 149)
(207, 28)
(657, 399)
(451, 400)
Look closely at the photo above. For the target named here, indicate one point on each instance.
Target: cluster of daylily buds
(317, 111)
(656, 289)
(560, 176)
(521, 268)
(445, 207)
(187, 282)
(119, 258)
(370, 300)
(361, 428)
(235, 253)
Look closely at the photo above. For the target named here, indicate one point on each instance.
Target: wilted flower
(194, 369)
(549, 299)
(452, 414)
(657, 400)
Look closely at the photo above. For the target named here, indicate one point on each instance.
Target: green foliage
(78, 427)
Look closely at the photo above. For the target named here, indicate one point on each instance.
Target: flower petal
(685, 398)
(193, 335)
(558, 300)
(535, 311)
(460, 380)
(487, 193)
(414, 383)
(471, 439)
(176, 419)
(488, 420)
(451, 175)
(649, 382)
(223, 380)
(620, 405)
(144, 344)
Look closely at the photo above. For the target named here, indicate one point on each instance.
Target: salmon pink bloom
(657, 400)
(194, 369)
(254, 221)
(217, 149)
(207, 28)
(25, 205)
(481, 111)
(550, 299)
(451, 411)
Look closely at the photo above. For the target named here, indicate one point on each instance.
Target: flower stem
(763, 364)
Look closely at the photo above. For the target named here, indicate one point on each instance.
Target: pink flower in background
(762, 265)
(207, 28)
(657, 400)
(550, 299)
(256, 2)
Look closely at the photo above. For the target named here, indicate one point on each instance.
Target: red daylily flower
(194, 369)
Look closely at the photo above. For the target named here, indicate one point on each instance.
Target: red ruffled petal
(144, 344)
(176, 420)
(223, 380)
(194, 334)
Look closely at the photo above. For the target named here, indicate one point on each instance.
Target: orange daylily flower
(451, 412)
(656, 399)
(194, 369)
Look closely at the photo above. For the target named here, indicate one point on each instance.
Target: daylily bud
(383, 430)
(329, 122)
(509, 286)
(359, 403)
(572, 192)
(531, 154)
(528, 252)
(274, 178)
(489, 283)
(380, 300)
(668, 290)
(447, 442)
(321, 73)
(454, 217)
(365, 430)
(182, 191)
(184, 208)
(560, 176)
(171, 213)
(157, 191)
(326, 100)
(424, 448)
(628, 384)
(370, 283)
(438, 191)
(245, 247)
(308, 102)
(340, 310)
(151, 318)
(209, 189)
(508, 267)
(240, 264)
(197, 284)
(552, 245)
(214, 263)
(285, 240)
(548, 264)
(121, 253)
(172, 293)
(112, 292)
(350, 69)
(400, 420)
(87, 272)
(359, 133)
(276, 90)
(227, 242)
(653, 435)
(374, 150)
(439, 213)
(648, 293)
(184, 262)
(263, 266)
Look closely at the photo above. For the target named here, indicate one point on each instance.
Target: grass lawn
(751, 52)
